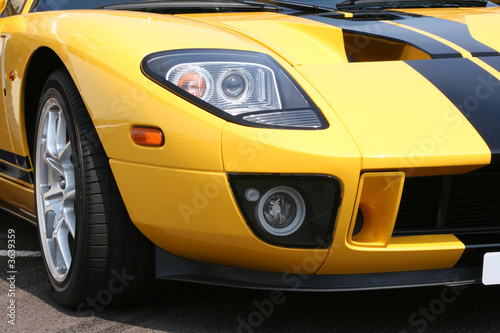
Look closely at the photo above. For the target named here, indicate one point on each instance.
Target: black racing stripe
(476, 246)
(474, 91)
(384, 30)
(493, 62)
(455, 32)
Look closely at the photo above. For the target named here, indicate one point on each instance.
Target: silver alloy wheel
(55, 189)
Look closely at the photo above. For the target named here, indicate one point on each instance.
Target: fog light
(281, 211)
(295, 211)
(252, 194)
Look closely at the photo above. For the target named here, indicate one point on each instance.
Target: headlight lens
(233, 87)
(248, 88)
(237, 85)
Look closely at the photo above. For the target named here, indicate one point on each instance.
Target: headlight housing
(243, 87)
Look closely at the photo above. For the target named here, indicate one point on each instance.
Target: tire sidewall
(56, 87)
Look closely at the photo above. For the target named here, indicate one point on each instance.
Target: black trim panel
(474, 91)
(21, 162)
(8, 156)
(16, 173)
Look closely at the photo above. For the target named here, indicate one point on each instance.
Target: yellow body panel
(386, 122)
(379, 195)
(483, 28)
(401, 254)
(415, 132)
(201, 222)
(17, 195)
(298, 40)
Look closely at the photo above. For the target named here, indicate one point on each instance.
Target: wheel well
(43, 62)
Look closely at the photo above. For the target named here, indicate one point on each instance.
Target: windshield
(46, 5)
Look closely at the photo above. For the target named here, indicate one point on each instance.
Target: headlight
(244, 87)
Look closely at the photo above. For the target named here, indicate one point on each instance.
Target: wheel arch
(42, 63)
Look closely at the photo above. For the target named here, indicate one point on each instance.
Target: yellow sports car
(301, 145)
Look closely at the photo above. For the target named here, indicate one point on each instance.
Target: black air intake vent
(459, 204)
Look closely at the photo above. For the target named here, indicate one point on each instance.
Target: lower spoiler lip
(171, 267)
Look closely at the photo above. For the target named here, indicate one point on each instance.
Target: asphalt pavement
(198, 308)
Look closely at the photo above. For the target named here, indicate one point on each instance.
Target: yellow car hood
(414, 89)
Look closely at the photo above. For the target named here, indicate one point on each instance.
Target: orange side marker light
(147, 136)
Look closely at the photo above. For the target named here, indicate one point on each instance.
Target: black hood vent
(367, 16)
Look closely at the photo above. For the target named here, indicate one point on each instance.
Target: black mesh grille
(475, 201)
(460, 204)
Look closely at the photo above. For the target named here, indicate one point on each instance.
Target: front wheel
(94, 255)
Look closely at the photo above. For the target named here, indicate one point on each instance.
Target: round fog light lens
(252, 194)
(281, 211)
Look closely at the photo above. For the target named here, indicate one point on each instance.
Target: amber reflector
(147, 136)
(193, 83)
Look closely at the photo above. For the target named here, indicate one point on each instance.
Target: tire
(94, 255)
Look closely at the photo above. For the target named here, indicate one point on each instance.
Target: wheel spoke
(51, 133)
(69, 211)
(55, 174)
(53, 163)
(65, 153)
(61, 135)
(54, 252)
(53, 196)
(60, 235)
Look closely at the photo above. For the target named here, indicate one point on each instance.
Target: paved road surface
(213, 309)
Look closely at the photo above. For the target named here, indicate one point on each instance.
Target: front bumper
(194, 215)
